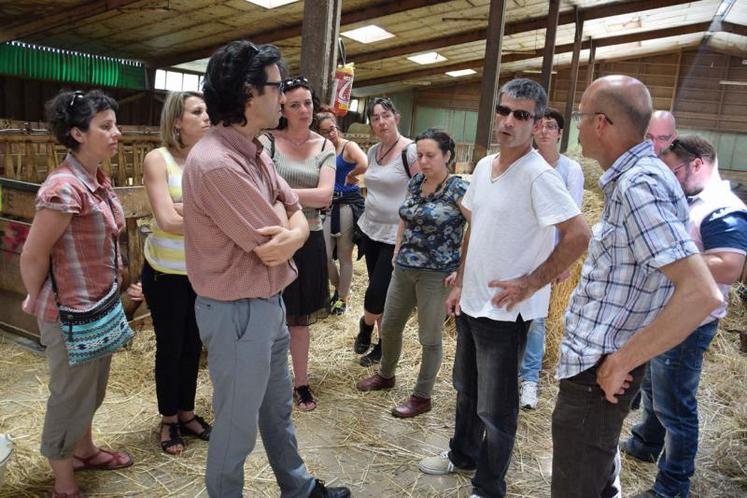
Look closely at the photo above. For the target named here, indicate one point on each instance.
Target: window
(176, 81)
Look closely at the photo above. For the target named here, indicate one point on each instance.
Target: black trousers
(171, 300)
(379, 265)
(585, 434)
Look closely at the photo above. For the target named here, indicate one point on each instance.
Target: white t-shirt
(512, 228)
(573, 176)
(386, 189)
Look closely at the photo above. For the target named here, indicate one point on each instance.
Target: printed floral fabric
(434, 226)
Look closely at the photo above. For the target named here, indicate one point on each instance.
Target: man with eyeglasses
(643, 289)
(547, 138)
(668, 428)
(242, 224)
(516, 202)
(662, 129)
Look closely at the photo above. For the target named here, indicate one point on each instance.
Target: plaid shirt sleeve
(59, 195)
(655, 229)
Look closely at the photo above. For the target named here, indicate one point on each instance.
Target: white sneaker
(440, 465)
(528, 397)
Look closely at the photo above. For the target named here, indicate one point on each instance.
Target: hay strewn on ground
(351, 438)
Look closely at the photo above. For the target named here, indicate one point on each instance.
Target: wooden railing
(29, 154)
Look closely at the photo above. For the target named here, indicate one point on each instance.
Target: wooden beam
(591, 61)
(321, 27)
(380, 9)
(70, 16)
(737, 29)
(559, 49)
(571, 96)
(491, 72)
(549, 52)
(512, 28)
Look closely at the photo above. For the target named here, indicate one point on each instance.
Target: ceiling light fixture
(367, 34)
(271, 4)
(428, 58)
(462, 72)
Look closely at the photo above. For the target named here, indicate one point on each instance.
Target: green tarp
(35, 62)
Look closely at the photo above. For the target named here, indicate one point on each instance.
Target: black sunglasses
(519, 114)
(292, 83)
(678, 143)
(76, 95)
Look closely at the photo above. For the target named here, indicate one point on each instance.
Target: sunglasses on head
(292, 83)
(519, 114)
(76, 95)
(678, 143)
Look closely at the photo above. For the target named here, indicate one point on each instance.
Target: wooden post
(569, 101)
(549, 53)
(592, 57)
(321, 27)
(490, 72)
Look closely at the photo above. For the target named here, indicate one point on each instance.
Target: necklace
(299, 144)
(438, 187)
(379, 159)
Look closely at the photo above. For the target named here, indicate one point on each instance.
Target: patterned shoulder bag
(99, 330)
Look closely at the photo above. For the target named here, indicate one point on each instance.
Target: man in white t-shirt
(515, 202)
(547, 139)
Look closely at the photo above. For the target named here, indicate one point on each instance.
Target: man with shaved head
(662, 129)
(643, 289)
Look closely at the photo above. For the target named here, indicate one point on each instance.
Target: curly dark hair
(291, 84)
(230, 69)
(75, 109)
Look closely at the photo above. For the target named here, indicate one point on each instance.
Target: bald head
(662, 130)
(625, 100)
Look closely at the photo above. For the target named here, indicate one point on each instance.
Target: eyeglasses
(276, 84)
(679, 143)
(326, 131)
(519, 114)
(577, 115)
(658, 138)
(549, 126)
(681, 165)
(76, 95)
(292, 83)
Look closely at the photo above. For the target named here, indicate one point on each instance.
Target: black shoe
(374, 356)
(332, 301)
(320, 491)
(363, 339)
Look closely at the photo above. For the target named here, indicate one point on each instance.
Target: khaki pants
(75, 393)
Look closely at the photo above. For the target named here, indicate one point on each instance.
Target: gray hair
(526, 89)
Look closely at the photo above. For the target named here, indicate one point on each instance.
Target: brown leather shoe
(375, 383)
(412, 407)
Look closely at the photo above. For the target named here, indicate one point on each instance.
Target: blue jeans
(531, 364)
(485, 369)
(668, 429)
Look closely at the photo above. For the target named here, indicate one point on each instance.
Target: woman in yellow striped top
(167, 291)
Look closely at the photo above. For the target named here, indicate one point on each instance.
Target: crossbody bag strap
(115, 240)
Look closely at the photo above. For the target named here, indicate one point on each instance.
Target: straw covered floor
(351, 438)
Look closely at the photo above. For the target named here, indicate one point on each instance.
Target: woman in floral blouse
(427, 252)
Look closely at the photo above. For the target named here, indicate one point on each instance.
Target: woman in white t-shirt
(391, 164)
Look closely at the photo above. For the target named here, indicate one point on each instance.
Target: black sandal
(306, 401)
(206, 428)
(175, 438)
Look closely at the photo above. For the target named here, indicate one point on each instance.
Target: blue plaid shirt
(621, 290)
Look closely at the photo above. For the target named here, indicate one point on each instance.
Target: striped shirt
(83, 257)
(622, 288)
(164, 251)
(230, 186)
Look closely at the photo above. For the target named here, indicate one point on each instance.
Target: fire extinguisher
(343, 87)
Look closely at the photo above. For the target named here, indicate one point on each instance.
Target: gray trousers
(247, 343)
(75, 393)
(408, 288)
